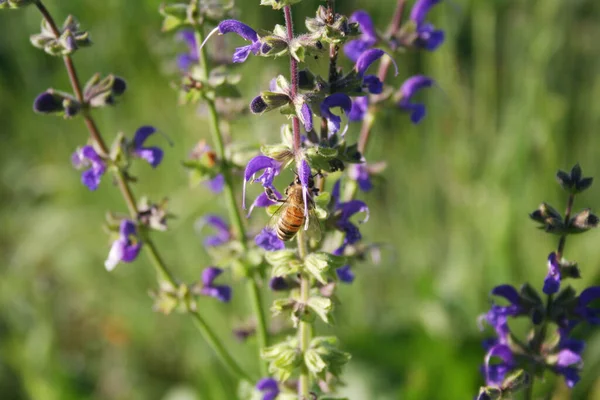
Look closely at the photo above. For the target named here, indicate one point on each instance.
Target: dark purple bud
(408, 89)
(48, 102)
(278, 284)
(119, 86)
(258, 105)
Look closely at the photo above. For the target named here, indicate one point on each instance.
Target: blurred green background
(518, 93)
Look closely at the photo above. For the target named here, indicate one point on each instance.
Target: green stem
(235, 215)
(304, 328)
(164, 275)
(217, 347)
(529, 389)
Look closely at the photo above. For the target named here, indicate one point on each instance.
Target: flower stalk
(235, 215)
(289, 25)
(164, 274)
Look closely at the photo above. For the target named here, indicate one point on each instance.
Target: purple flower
(263, 200)
(267, 239)
(343, 212)
(185, 60)
(223, 233)
(216, 184)
(87, 157)
(305, 180)
(219, 292)
(495, 373)
(407, 90)
(427, 36)
(360, 173)
(305, 116)
(340, 100)
(269, 388)
(497, 317)
(271, 169)
(345, 274)
(552, 281)
(369, 57)
(241, 53)
(153, 155)
(360, 105)
(568, 356)
(583, 310)
(367, 39)
(126, 248)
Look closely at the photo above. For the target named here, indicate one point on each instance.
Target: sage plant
(512, 363)
(317, 147)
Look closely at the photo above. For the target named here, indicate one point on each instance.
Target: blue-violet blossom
(222, 235)
(407, 91)
(367, 39)
(219, 292)
(343, 213)
(269, 388)
(153, 155)
(127, 246)
(552, 280)
(271, 169)
(186, 60)
(87, 157)
(241, 53)
(427, 36)
(345, 274)
(267, 239)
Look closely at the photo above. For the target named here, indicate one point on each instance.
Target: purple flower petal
(210, 274)
(368, 38)
(335, 193)
(567, 357)
(408, 89)
(495, 373)
(335, 100)
(429, 38)
(360, 105)
(239, 28)
(360, 174)
(269, 388)
(216, 184)
(223, 234)
(127, 246)
(352, 207)
(263, 200)
(278, 283)
(552, 280)
(345, 274)
(271, 169)
(153, 155)
(219, 292)
(373, 84)
(87, 157)
(420, 10)
(268, 240)
(306, 117)
(141, 135)
(305, 177)
(508, 292)
(47, 103)
(369, 57)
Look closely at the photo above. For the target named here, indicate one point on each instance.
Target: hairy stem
(164, 275)
(235, 214)
(287, 12)
(304, 328)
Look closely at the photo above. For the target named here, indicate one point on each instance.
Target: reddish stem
(287, 12)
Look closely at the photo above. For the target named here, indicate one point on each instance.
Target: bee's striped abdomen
(289, 223)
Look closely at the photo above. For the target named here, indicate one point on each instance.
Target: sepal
(324, 356)
(583, 221)
(574, 182)
(322, 265)
(278, 4)
(284, 358)
(321, 306)
(70, 39)
(58, 103)
(102, 92)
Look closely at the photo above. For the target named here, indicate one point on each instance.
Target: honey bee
(290, 217)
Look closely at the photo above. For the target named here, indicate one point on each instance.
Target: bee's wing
(314, 226)
(274, 219)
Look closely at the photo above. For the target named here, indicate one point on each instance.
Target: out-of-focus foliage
(517, 99)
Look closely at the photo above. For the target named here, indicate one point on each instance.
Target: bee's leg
(271, 195)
